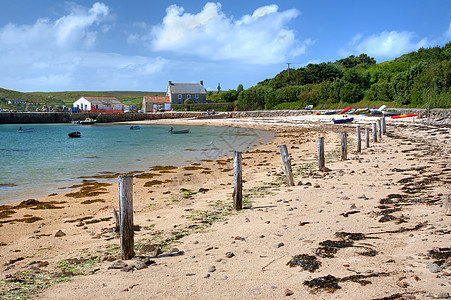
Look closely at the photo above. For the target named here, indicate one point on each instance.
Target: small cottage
(156, 103)
(99, 104)
(180, 93)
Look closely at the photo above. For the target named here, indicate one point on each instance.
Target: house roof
(156, 99)
(186, 88)
(103, 100)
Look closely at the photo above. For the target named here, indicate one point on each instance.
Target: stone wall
(58, 117)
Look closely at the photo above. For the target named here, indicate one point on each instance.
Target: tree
(253, 98)
(240, 88)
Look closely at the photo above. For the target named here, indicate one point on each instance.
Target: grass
(22, 285)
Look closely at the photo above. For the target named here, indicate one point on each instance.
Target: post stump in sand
(321, 160)
(126, 216)
(286, 159)
(237, 181)
(359, 139)
(367, 137)
(344, 145)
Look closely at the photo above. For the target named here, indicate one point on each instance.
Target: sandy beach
(369, 227)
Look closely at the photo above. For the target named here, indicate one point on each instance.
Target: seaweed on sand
(89, 188)
(329, 283)
(306, 262)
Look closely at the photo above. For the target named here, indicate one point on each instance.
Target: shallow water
(37, 163)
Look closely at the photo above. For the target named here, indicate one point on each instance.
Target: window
(180, 96)
(197, 96)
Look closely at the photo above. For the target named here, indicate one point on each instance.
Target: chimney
(201, 82)
(170, 82)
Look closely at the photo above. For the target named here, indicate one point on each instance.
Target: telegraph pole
(289, 69)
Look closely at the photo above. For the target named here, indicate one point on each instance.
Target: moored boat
(22, 130)
(74, 134)
(134, 127)
(179, 131)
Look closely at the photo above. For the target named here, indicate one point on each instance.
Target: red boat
(404, 116)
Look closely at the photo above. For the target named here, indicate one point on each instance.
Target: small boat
(345, 110)
(404, 116)
(134, 127)
(74, 134)
(179, 131)
(340, 121)
(87, 121)
(22, 130)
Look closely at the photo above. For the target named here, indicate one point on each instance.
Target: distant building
(156, 103)
(99, 104)
(17, 101)
(180, 93)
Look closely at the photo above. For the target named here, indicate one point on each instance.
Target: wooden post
(367, 137)
(237, 181)
(321, 160)
(286, 159)
(384, 126)
(374, 133)
(344, 145)
(379, 129)
(126, 216)
(359, 141)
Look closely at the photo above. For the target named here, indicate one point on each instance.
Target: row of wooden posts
(124, 220)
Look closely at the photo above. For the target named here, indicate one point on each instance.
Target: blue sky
(51, 45)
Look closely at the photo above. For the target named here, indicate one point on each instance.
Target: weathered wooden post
(286, 159)
(321, 160)
(374, 133)
(379, 129)
(126, 216)
(237, 181)
(384, 125)
(344, 145)
(359, 141)
(367, 137)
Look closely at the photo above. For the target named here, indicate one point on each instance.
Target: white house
(99, 103)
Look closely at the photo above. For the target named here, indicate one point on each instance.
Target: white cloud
(59, 55)
(70, 31)
(385, 45)
(260, 38)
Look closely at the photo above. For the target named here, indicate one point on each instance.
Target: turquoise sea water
(38, 162)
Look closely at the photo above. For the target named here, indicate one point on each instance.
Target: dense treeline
(412, 80)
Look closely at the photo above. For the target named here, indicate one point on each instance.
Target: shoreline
(317, 205)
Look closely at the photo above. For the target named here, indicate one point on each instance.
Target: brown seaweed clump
(89, 188)
(306, 262)
(92, 201)
(35, 204)
(155, 182)
(329, 283)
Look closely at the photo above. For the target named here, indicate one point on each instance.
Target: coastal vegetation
(413, 80)
(418, 79)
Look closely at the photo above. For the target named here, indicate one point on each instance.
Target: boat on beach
(344, 120)
(74, 134)
(179, 131)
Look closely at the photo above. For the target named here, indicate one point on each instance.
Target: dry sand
(244, 255)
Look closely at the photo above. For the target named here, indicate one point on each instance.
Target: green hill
(58, 99)
(412, 80)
